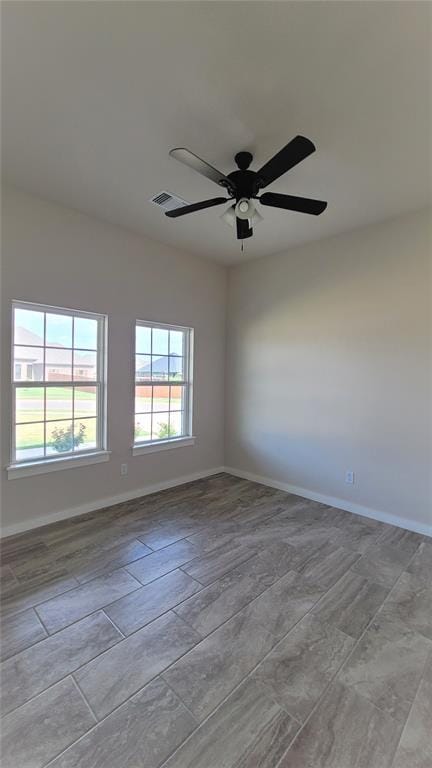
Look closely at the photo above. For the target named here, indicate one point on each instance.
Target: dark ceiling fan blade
(243, 229)
(195, 207)
(294, 152)
(193, 161)
(292, 203)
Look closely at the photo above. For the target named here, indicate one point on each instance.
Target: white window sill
(162, 445)
(54, 465)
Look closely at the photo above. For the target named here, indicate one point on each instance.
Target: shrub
(64, 439)
(165, 430)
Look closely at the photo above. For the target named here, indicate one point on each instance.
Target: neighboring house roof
(160, 365)
(33, 353)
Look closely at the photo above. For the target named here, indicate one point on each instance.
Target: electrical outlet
(123, 469)
(349, 477)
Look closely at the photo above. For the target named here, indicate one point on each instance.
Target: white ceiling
(96, 93)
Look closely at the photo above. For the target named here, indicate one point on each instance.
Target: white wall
(329, 359)
(329, 368)
(54, 255)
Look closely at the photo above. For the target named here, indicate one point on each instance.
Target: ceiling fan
(243, 185)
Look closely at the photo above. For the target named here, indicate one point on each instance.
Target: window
(58, 383)
(163, 383)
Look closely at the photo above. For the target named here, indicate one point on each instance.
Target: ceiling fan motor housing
(244, 183)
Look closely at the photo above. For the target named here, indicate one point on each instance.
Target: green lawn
(55, 393)
(31, 435)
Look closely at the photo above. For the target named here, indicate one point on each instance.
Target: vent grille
(167, 201)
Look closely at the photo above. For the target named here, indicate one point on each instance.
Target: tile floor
(221, 624)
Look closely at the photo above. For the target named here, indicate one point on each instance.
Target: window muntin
(163, 383)
(58, 380)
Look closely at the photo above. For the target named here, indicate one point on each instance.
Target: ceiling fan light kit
(244, 185)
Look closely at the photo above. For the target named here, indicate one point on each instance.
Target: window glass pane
(58, 330)
(58, 364)
(29, 404)
(143, 399)
(57, 417)
(160, 398)
(159, 368)
(58, 403)
(142, 367)
(176, 343)
(143, 340)
(29, 327)
(28, 363)
(176, 423)
(160, 408)
(85, 438)
(142, 427)
(160, 341)
(85, 366)
(176, 366)
(176, 398)
(160, 429)
(85, 333)
(85, 401)
(59, 437)
(29, 441)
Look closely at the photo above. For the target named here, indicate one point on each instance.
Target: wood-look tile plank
(351, 603)
(113, 677)
(217, 603)
(147, 603)
(421, 565)
(163, 561)
(357, 533)
(406, 541)
(19, 631)
(67, 608)
(344, 731)
(247, 731)
(271, 563)
(19, 597)
(300, 667)
(39, 730)
(387, 664)
(324, 563)
(415, 746)
(212, 566)
(110, 560)
(164, 535)
(285, 603)
(22, 549)
(382, 564)
(140, 734)
(412, 603)
(39, 667)
(211, 670)
(7, 576)
(71, 555)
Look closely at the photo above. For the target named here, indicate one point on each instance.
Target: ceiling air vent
(167, 201)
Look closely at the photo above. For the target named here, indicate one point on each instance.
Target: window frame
(36, 465)
(187, 438)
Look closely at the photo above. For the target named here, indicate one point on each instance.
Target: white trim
(54, 465)
(333, 501)
(162, 445)
(136, 493)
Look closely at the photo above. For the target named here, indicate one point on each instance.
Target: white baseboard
(136, 493)
(332, 501)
